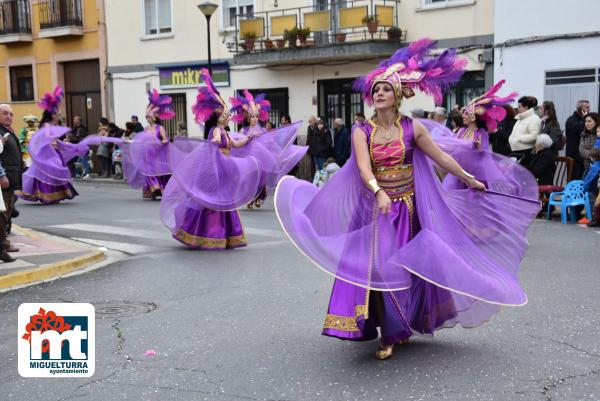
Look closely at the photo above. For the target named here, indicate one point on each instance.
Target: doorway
(82, 92)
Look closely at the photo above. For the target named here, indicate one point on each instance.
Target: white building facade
(163, 44)
(549, 49)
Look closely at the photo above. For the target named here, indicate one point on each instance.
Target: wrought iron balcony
(340, 29)
(15, 21)
(60, 17)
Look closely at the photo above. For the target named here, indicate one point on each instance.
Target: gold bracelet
(373, 186)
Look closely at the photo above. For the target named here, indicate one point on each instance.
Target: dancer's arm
(363, 161)
(163, 134)
(444, 160)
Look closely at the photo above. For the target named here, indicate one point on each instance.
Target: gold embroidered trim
(213, 243)
(344, 323)
(50, 197)
(340, 323)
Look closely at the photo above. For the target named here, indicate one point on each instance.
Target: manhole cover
(123, 308)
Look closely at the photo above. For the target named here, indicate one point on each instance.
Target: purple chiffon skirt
(354, 312)
(155, 185)
(209, 229)
(35, 190)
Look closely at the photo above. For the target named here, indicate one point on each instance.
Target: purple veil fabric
(145, 156)
(49, 164)
(470, 243)
(220, 182)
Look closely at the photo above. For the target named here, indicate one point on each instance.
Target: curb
(50, 271)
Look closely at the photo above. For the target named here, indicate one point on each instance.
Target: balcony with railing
(60, 18)
(336, 30)
(15, 21)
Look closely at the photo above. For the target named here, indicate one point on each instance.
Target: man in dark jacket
(341, 142)
(11, 160)
(310, 133)
(573, 129)
(137, 126)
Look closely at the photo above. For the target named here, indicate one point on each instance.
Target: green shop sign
(189, 76)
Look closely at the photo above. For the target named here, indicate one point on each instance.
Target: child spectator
(116, 160)
(322, 176)
(590, 183)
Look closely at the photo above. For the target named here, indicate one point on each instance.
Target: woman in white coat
(526, 129)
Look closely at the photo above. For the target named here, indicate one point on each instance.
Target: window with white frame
(157, 17)
(231, 8)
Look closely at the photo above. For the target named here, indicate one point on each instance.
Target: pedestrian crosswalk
(137, 241)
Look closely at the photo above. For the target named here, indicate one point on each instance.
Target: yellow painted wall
(43, 50)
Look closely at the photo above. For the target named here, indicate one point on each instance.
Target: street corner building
(45, 43)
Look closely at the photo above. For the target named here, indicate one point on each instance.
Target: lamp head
(207, 8)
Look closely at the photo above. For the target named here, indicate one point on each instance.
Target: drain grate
(123, 308)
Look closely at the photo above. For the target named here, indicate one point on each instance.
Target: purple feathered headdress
(489, 107)
(208, 100)
(51, 101)
(246, 105)
(415, 67)
(159, 105)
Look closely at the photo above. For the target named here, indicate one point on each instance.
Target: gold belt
(396, 181)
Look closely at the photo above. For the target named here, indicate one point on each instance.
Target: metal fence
(60, 13)
(15, 17)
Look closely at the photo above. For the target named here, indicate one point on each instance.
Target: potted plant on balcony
(249, 40)
(340, 37)
(303, 35)
(291, 35)
(268, 43)
(394, 33)
(372, 23)
(280, 43)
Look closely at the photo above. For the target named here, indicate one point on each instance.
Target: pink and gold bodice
(392, 161)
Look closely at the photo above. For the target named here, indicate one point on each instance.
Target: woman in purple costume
(481, 116)
(158, 109)
(37, 185)
(250, 111)
(190, 223)
(410, 256)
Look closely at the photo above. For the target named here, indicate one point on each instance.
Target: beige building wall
(463, 19)
(128, 44)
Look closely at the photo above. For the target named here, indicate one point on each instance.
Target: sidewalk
(44, 257)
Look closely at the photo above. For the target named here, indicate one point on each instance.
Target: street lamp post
(208, 9)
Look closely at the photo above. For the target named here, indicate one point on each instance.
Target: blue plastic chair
(573, 195)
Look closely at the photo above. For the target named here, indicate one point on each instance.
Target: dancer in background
(251, 112)
(482, 115)
(145, 160)
(48, 179)
(213, 177)
(409, 256)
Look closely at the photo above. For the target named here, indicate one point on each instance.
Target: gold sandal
(258, 203)
(250, 206)
(384, 351)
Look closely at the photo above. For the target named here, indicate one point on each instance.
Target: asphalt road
(245, 324)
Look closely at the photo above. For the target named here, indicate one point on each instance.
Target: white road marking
(115, 230)
(119, 246)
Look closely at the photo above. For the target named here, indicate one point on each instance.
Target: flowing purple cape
(49, 164)
(215, 181)
(145, 156)
(470, 242)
